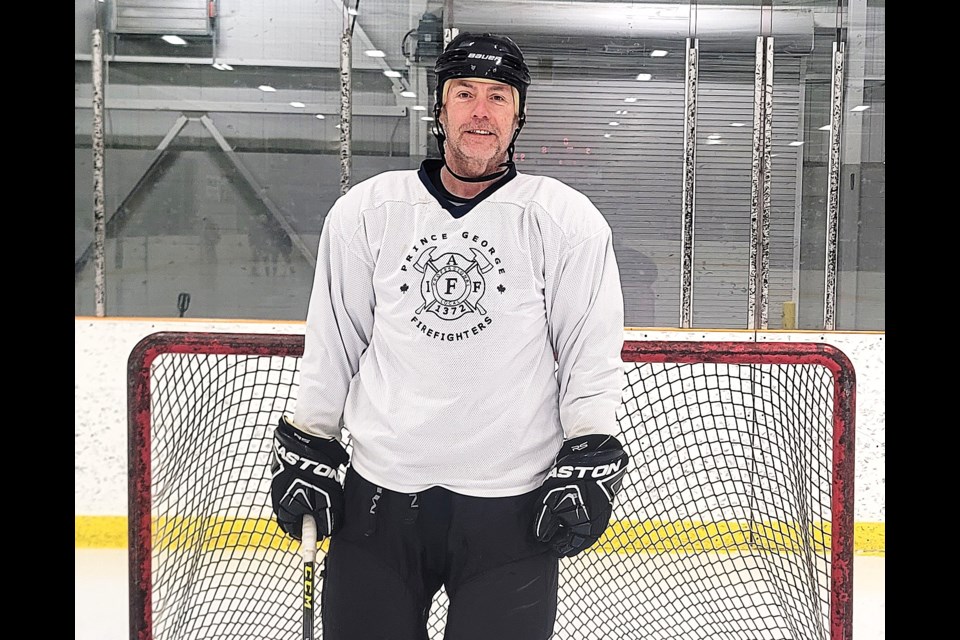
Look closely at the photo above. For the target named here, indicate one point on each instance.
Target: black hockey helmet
(488, 57)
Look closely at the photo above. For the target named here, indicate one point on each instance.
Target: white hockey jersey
(461, 344)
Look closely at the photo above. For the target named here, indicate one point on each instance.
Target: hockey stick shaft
(308, 550)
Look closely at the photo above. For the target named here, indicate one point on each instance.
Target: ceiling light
(320, 116)
(375, 53)
(714, 141)
(644, 76)
(738, 124)
(408, 94)
(390, 73)
(796, 143)
(299, 105)
(418, 107)
(607, 135)
(222, 66)
(657, 53)
(861, 107)
(629, 99)
(713, 136)
(614, 124)
(825, 127)
(174, 40)
(266, 87)
(426, 119)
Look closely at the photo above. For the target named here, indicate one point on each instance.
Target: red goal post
(736, 515)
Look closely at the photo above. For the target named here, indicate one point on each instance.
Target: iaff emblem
(452, 285)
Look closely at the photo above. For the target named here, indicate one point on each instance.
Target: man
(465, 328)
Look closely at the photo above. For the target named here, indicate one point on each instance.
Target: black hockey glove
(575, 503)
(304, 469)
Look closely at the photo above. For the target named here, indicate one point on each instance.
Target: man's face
(479, 119)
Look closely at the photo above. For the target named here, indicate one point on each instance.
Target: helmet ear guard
(488, 58)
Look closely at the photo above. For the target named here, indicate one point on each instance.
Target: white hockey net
(735, 520)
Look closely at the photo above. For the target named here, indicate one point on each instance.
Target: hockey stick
(308, 550)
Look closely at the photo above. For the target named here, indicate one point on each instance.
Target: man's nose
(481, 109)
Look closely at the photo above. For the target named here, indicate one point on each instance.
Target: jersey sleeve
(338, 327)
(586, 324)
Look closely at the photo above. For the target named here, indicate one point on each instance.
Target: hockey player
(465, 329)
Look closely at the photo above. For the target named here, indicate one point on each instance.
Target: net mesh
(722, 529)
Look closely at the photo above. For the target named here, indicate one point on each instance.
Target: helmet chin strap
(509, 164)
(486, 178)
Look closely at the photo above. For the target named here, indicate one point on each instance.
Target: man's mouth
(480, 132)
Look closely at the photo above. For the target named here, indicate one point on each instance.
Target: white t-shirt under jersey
(461, 345)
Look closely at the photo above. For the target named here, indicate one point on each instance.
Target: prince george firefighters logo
(452, 284)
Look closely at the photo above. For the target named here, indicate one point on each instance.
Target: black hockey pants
(396, 550)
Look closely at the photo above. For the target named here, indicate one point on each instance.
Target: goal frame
(653, 351)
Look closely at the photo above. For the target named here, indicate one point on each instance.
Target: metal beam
(233, 62)
(210, 106)
(260, 192)
(362, 37)
(549, 18)
(848, 234)
(120, 216)
(123, 211)
(687, 213)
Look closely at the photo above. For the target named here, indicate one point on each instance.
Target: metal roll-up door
(632, 171)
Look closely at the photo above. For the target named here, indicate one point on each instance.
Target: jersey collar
(431, 167)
